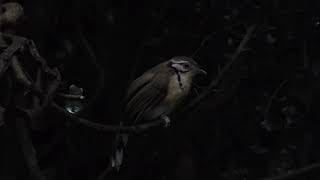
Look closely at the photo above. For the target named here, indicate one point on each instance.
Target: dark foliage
(256, 114)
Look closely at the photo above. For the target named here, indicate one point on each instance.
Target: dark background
(261, 120)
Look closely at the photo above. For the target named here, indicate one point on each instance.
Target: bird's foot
(166, 120)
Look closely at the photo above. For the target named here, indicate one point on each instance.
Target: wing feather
(139, 83)
(148, 96)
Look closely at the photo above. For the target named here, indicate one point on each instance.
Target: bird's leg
(166, 120)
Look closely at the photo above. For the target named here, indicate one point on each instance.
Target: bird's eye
(186, 66)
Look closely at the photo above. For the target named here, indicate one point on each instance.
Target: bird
(156, 94)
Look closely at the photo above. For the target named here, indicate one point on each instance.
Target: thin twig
(268, 107)
(202, 44)
(71, 96)
(293, 174)
(46, 98)
(105, 172)
(36, 55)
(19, 72)
(22, 77)
(273, 96)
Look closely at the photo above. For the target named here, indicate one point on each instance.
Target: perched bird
(156, 94)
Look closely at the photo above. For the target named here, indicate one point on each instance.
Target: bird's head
(185, 66)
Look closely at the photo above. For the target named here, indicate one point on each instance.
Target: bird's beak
(201, 71)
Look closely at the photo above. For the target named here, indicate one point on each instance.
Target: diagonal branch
(266, 120)
(36, 55)
(6, 55)
(294, 174)
(221, 74)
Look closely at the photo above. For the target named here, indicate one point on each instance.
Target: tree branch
(108, 128)
(266, 122)
(296, 173)
(224, 70)
(6, 55)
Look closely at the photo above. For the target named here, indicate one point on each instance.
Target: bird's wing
(149, 95)
(139, 83)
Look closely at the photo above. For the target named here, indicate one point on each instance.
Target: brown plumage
(148, 91)
(159, 90)
(156, 94)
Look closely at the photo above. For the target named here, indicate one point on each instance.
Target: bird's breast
(177, 90)
(175, 93)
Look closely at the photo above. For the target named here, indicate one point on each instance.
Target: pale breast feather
(175, 92)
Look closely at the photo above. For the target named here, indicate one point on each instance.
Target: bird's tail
(117, 156)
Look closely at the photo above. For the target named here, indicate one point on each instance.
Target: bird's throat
(179, 80)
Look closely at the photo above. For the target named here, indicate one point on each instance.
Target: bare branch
(267, 110)
(19, 72)
(107, 128)
(6, 55)
(71, 96)
(36, 55)
(293, 174)
(224, 70)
